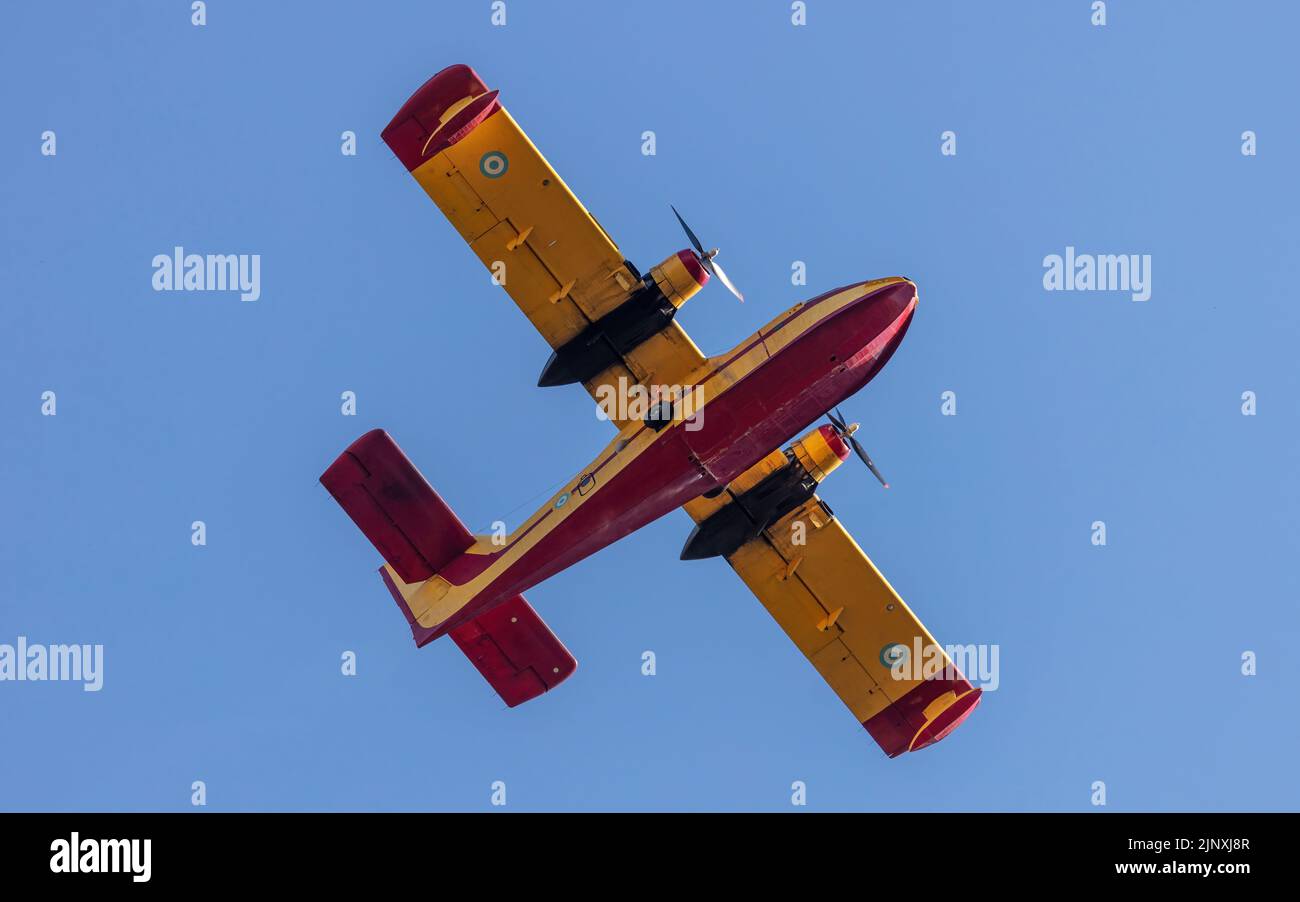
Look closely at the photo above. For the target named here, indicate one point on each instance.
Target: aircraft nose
(882, 316)
(894, 299)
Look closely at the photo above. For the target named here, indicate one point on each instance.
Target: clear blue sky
(822, 144)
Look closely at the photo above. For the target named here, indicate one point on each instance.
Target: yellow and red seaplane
(732, 450)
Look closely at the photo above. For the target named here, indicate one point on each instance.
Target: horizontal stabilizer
(399, 512)
(515, 651)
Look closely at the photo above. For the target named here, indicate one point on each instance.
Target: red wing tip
(439, 92)
(409, 131)
(903, 727)
(948, 721)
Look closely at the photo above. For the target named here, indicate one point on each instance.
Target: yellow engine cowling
(680, 277)
(819, 452)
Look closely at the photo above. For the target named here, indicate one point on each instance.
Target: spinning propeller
(846, 433)
(706, 258)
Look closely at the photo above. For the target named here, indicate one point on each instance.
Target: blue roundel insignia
(561, 501)
(893, 653)
(493, 164)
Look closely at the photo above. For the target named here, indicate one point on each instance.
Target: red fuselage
(831, 359)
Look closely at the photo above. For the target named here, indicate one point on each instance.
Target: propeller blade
(722, 277)
(846, 432)
(707, 257)
(866, 459)
(699, 248)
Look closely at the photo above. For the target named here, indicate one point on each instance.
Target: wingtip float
(741, 464)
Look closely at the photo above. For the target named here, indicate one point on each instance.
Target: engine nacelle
(821, 451)
(766, 492)
(679, 277)
(649, 310)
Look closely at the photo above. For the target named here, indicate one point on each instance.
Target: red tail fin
(399, 512)
(418, 534)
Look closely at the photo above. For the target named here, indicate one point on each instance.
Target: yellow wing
(520, 218)
(850, 623)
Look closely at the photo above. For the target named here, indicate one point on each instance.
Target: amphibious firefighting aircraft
(727, 462)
